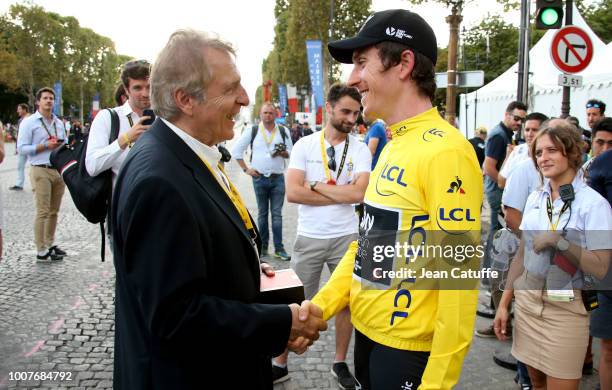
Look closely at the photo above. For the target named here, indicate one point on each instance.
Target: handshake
(306, 323)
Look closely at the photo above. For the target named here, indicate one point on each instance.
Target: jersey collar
(413, 123)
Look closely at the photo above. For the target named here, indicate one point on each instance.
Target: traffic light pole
(565, 103)
(523, 55)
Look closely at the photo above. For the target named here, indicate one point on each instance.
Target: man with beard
(101, 155)
(328, 173)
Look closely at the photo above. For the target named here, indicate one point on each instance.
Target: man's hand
(306, 323)
(134, 132)
(252, 172)
(53, 143)
(267, 269)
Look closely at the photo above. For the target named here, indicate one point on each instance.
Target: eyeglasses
(593, 105)
(331, 153)
(518, 118)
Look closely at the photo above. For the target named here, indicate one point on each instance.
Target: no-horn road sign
(571, 49)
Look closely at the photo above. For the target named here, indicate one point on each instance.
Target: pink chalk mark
(38, 345)
(57, 324)
(92, 287)
(79, 301)
(105, 274)
(4, 381)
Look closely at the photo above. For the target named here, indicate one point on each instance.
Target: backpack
(91, 194)
(254, 130)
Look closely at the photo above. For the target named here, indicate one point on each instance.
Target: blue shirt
(377, 130)
(32, 132)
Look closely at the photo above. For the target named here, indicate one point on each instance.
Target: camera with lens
(279, 148)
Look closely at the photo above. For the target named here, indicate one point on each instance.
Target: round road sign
(571, 49)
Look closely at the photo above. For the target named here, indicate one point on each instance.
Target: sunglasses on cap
(593, 105)
(331, 153)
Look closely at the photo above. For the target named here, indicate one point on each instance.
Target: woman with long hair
(566, 235)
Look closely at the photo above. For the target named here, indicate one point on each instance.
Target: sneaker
(279, 374)
(16, 188)
(341, 372)
(48, 257)
(57, 251)
(487, 332)
(281, 254)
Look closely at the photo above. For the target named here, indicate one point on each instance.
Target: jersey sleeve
(335, 295)
(454, 187)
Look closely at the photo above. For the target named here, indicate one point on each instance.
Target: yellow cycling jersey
(425, 191)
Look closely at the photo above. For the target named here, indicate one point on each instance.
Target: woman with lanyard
(567, 234)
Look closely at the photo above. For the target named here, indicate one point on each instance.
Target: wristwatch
(312, 185)
(563, 244)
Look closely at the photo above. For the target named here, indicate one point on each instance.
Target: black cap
(395, 25)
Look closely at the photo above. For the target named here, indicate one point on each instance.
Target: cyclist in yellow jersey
(412, 331)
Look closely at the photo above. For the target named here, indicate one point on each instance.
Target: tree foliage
(39, 48)
(301, 20)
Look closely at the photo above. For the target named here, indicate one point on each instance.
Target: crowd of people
(189, 256)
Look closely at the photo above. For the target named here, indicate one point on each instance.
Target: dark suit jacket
(187, 278)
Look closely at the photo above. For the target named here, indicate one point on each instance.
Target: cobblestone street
(59, 317)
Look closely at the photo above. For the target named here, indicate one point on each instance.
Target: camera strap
(47, 129)
(549, 211)
(129, 116)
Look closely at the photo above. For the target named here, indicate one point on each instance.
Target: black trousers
(378, 367)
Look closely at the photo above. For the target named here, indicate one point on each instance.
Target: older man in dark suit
(185, 246)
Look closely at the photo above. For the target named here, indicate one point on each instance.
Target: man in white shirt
(23, 111)
(519, 153)
(270, 145)
(39, 134)
(328, 173)
(101, 155)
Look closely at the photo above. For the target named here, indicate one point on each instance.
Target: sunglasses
(331, 153)
(593, 105)
(518, 118)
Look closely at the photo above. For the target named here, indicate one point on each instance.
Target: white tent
(487, 105)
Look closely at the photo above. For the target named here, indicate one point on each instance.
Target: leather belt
(48, 166)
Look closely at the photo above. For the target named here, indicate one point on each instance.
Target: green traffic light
(549, 16)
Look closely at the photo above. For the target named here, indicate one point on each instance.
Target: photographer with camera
(565, 242)
(39, 134)
(270, 145)
(135, 118)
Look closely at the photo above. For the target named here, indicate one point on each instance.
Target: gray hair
(182, 65)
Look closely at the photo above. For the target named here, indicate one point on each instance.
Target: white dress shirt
(209, 153)
(262, 159)
(524, 179)
(587, 223)
(101, 156)
(32, 133)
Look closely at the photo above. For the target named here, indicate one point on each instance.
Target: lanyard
(47, 129)
(549, 210)
(234, 196)
(325, 162)
(263, 131)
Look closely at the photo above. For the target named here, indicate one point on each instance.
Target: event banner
(57, 105)
(282, 97)
(315, 68)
